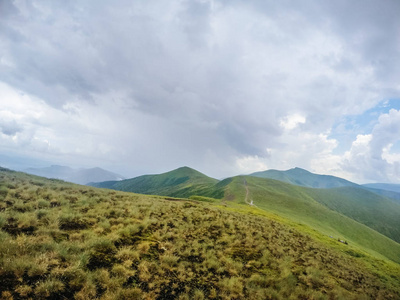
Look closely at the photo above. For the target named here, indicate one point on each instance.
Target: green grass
(296, 204)
(182, 182)
(375, 211)
(92, 243)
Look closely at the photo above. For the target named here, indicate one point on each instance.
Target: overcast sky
(225, 87)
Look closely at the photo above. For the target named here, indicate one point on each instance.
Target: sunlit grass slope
(63, 241)
(182, 182)
(296, 203)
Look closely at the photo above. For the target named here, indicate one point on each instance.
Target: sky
(225, 87)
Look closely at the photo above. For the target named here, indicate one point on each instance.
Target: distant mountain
(182, 182)
(301, 177)
(80, 176)
(384, 186)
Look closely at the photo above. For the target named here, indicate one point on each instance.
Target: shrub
(102, 254)
(49, 288)
(43, 203)
(72, 221)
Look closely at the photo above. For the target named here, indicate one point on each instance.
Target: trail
(246, 199)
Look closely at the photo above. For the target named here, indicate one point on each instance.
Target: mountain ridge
(79, 176)
(302, 177)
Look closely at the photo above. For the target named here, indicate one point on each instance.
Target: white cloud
(292, 121)
(370, 157)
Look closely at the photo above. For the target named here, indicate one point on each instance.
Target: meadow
(59, 240)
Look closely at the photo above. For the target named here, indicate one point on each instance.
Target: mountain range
(243, 237)
(298, 176)
(328, 204)
(79, 176)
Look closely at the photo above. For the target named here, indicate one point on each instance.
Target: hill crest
(301, 177)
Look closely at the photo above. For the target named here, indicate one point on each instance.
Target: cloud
(144, 86)
(370, 155)
(292, 121)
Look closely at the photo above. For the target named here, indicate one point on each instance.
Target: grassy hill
(297, 204)
(59, 240)
(377, 212)
(305, 178)
(343, 212)
(182, 182)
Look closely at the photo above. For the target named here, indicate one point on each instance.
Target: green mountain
(325, 211)
(182, 182)
(366, 207)
(305, 178)
(348, 212)
(63, 241)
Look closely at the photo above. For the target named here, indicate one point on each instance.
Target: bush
(102, 254)
(49, 288)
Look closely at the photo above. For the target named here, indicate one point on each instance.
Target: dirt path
(246, 199)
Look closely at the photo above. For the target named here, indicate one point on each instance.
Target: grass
(102, 244)
(296, 203)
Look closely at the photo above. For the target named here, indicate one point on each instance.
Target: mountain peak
(185, 171)
(301, 177)
(299, 170)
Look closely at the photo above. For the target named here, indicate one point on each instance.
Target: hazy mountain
(305, 178)
(384, 186)
(80, 176)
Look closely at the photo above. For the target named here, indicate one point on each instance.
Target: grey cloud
(10, 127)
(226, 71)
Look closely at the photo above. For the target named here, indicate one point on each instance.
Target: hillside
(59, 240)
(297, 204)
(298, 176)
(80, 176)
(182, 182)
(377, 212)
(326, 210)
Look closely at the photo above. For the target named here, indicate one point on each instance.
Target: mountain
(59, 240)
(301, 177)
(350, 211)
(384, 186)
(394, 196)
(182, 182)
(308, 207)
(305, 178)
(80, 176)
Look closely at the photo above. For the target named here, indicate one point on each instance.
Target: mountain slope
(344, 212)
(62, 241)
(377, 212)
(182, 182)
(80, 176)
(393, 196)
(298, 176)
(297, 204)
